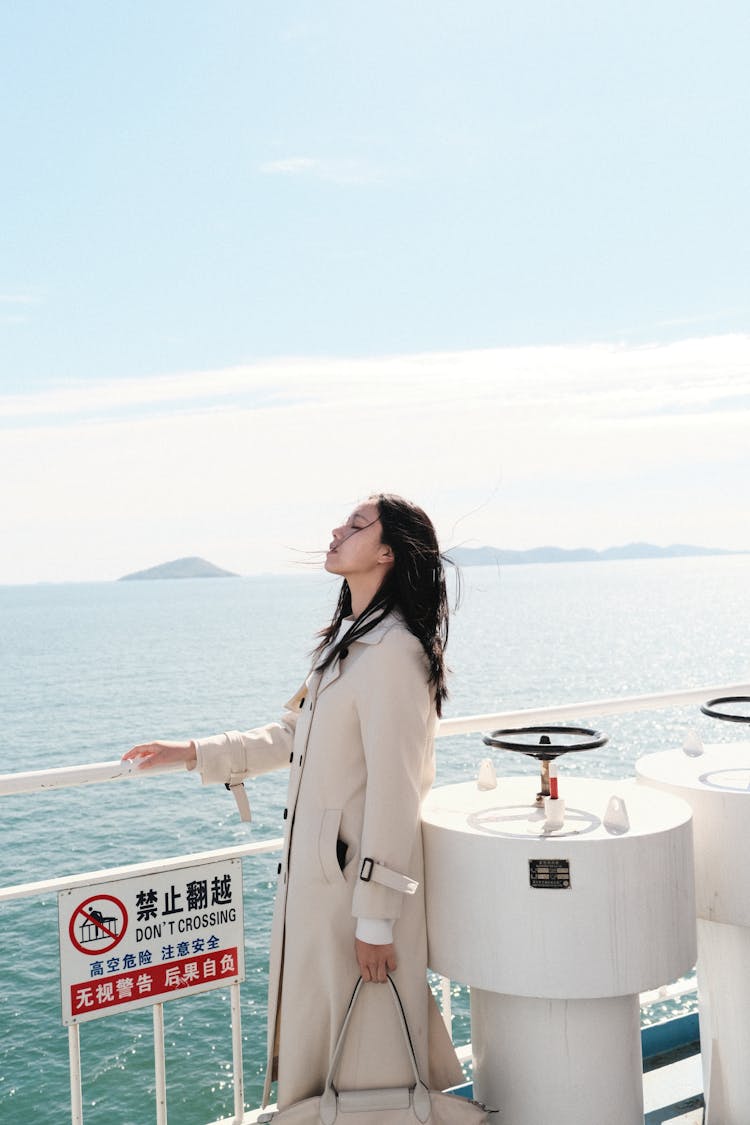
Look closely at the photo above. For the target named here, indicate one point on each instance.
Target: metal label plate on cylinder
(549, 874)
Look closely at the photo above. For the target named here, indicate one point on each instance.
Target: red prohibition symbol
(98, 924)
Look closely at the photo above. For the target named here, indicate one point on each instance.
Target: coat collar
(377, 633)
(373, 637)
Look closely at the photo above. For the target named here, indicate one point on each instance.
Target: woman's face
(356, 547)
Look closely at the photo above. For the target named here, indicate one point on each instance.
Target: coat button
(291, 757)
(286, 813)
(278, 870)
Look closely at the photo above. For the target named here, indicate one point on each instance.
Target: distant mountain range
(180, 568)
(492, 556)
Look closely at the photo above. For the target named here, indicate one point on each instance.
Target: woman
(358, 737)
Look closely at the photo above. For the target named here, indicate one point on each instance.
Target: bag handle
(421, 1095)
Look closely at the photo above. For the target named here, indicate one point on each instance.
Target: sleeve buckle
(365, 873)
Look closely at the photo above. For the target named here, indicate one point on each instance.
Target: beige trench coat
(360, 743)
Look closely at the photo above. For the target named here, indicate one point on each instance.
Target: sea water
(86, 671)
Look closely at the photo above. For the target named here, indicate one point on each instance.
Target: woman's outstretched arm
(151, 755)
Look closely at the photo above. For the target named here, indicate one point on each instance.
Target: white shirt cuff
(375, 931)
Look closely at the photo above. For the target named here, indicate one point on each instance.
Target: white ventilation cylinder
(556, 930)
(716, 784)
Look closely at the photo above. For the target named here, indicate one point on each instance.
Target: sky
(258, 260)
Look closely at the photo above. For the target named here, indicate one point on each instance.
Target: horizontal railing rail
(97, 772)
(618, 705)
(150, 867)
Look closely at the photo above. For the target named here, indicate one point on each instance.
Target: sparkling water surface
(86, 671)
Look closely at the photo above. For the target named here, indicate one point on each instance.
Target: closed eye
(361, 526)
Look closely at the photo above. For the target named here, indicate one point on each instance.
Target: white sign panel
(141, 940)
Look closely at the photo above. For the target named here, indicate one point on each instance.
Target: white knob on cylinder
(486, 778)
(693, 744)
(554, 813)
(616, 817)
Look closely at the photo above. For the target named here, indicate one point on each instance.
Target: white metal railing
(619, 705)
(100, 772)
(97, 772)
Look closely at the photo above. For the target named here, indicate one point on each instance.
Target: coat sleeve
(397, 721)
(233, 756)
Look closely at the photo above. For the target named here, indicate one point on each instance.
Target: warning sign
(150, 937)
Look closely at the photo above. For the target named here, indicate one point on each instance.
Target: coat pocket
(329, 846)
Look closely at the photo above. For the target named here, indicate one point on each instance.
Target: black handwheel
(536, 742)
(539, 740)
(709, 708)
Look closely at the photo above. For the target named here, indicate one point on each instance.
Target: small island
(179, 568)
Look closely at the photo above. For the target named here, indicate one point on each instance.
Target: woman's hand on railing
(160, 755)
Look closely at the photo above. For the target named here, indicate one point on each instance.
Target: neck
(362, 591)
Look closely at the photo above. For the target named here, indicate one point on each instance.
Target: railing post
(239, 1079)
(76, 1095)
(445, 995)
(160, 1066)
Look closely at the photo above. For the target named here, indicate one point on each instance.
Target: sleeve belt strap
(372, 871)
(235, 786)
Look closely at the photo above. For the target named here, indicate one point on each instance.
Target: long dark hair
(415, 586)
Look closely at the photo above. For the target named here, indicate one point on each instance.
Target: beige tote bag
(389, 1105)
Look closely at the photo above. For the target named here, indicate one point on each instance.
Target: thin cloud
(586, 382)
(345, 172)
(292, 166)
(203, 390)
(700, 318)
